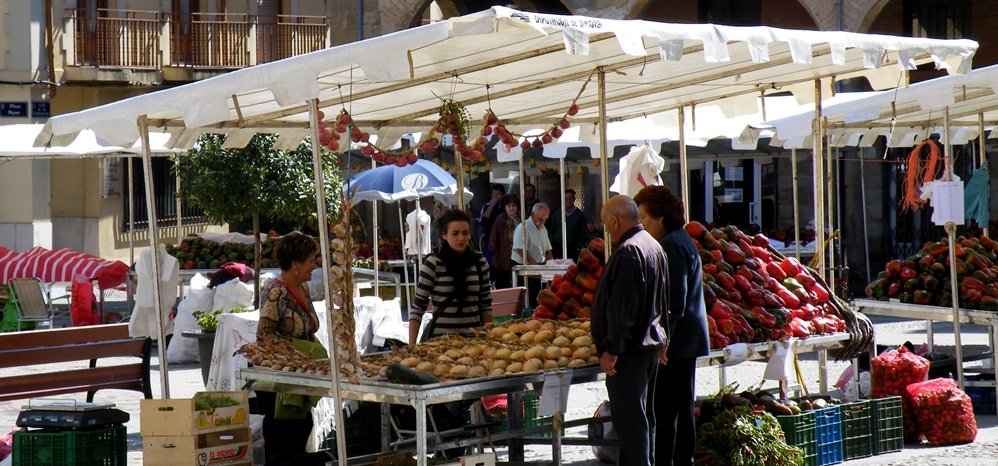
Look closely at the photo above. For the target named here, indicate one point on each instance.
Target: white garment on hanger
(417, 240)
(946, 199)
(144, 318)
(639, 168)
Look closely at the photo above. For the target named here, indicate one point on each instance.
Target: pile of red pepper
(890, 374)
(753, 294)
(945, 414)
(924, 278)
(570, 295)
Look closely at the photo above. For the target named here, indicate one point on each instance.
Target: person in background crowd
(501, 241)
(575, 226)
(286, 312)
(490, 212)
(529, 197)
(663, 217)
(456, 280)
(630, 302)
(537, 249)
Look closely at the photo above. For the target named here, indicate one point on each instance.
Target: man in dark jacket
(662, 215)
(631, 299)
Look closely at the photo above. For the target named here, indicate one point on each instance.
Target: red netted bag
(894, 370)
(890, 373)
(944, 413)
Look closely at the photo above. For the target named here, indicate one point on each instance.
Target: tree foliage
(234, 184)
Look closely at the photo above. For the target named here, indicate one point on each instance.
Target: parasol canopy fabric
(391, 183)
(60, 265)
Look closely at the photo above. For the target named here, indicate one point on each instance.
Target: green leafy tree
(257, 181)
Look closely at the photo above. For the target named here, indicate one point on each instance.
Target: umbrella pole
(164, 377)
(793, 166)
(564, 215)
(604, 171)
(320, 200)
(405, 258)
(684, 172)
(374, 229)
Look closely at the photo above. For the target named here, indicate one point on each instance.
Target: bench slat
(68, 353)
(63, 336)
(126, 376)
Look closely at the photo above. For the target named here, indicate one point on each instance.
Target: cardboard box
(484, 459)
(178, 417)
(224, 448)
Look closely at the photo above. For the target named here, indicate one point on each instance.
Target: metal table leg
(823, 372)
(556, 439)
(385, 427)
(993, 333)
(514, 419)
(420, 405)
(930, 344)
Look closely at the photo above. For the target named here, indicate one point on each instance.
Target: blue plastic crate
(828, 435)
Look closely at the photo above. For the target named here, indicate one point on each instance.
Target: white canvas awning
(31, 141)
(527, 67)
(904, 116)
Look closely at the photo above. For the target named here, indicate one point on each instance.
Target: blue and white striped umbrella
(391, 183)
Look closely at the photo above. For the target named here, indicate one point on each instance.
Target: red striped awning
(60, 265)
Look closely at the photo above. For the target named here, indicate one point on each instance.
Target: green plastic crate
(857, 435)
(888, 427)
(93, 447)
(531, 404)
(799, 432)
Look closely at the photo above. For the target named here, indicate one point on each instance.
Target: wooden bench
(44, 347)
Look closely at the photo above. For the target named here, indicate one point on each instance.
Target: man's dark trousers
(632, 406)
(674, 413)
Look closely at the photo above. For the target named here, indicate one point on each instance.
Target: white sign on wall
(112, 177)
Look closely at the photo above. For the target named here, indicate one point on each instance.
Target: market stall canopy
(527, 67)
(391, 183)
(60, 265)
(32, 141)
(904, 116)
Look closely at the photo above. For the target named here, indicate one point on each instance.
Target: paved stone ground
(185, 380)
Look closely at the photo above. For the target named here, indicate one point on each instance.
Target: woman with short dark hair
(501, 241)
(662, 214)
(286, 312)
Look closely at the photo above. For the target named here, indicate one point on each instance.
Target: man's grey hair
(542, 206)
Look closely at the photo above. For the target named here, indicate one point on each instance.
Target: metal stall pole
(564, 216)
(460, 179)
(793, 166)
(866, 234)
(130, 291)
(831, 191)
(684, 172)
(984, 154)
(818, 170)
(180, 234)
(374, 229)
(603, 169)
(320, 201)
(405, 258)
(164, 376)
(951, 233)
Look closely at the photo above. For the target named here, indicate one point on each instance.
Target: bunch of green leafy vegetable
(743, 437)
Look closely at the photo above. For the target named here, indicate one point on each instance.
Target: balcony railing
(289, 36)
(117, 38)
(133, 39)
(210, 40)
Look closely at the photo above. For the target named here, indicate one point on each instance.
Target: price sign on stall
(554, 396)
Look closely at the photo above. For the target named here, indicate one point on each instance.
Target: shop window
(165, 196)
(730, 12)
(937, 19)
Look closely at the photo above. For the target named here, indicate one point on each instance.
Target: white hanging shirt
(417, 240)
(639, 168)
(144, 318)
(946, 199)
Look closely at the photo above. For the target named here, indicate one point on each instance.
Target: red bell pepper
(791, 266)
(549, 299)
(586, 281)
(776, 271)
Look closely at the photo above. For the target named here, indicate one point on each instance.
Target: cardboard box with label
(219, 411)
(221, 448)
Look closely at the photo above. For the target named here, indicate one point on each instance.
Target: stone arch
(857, 15)
(397, 15)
